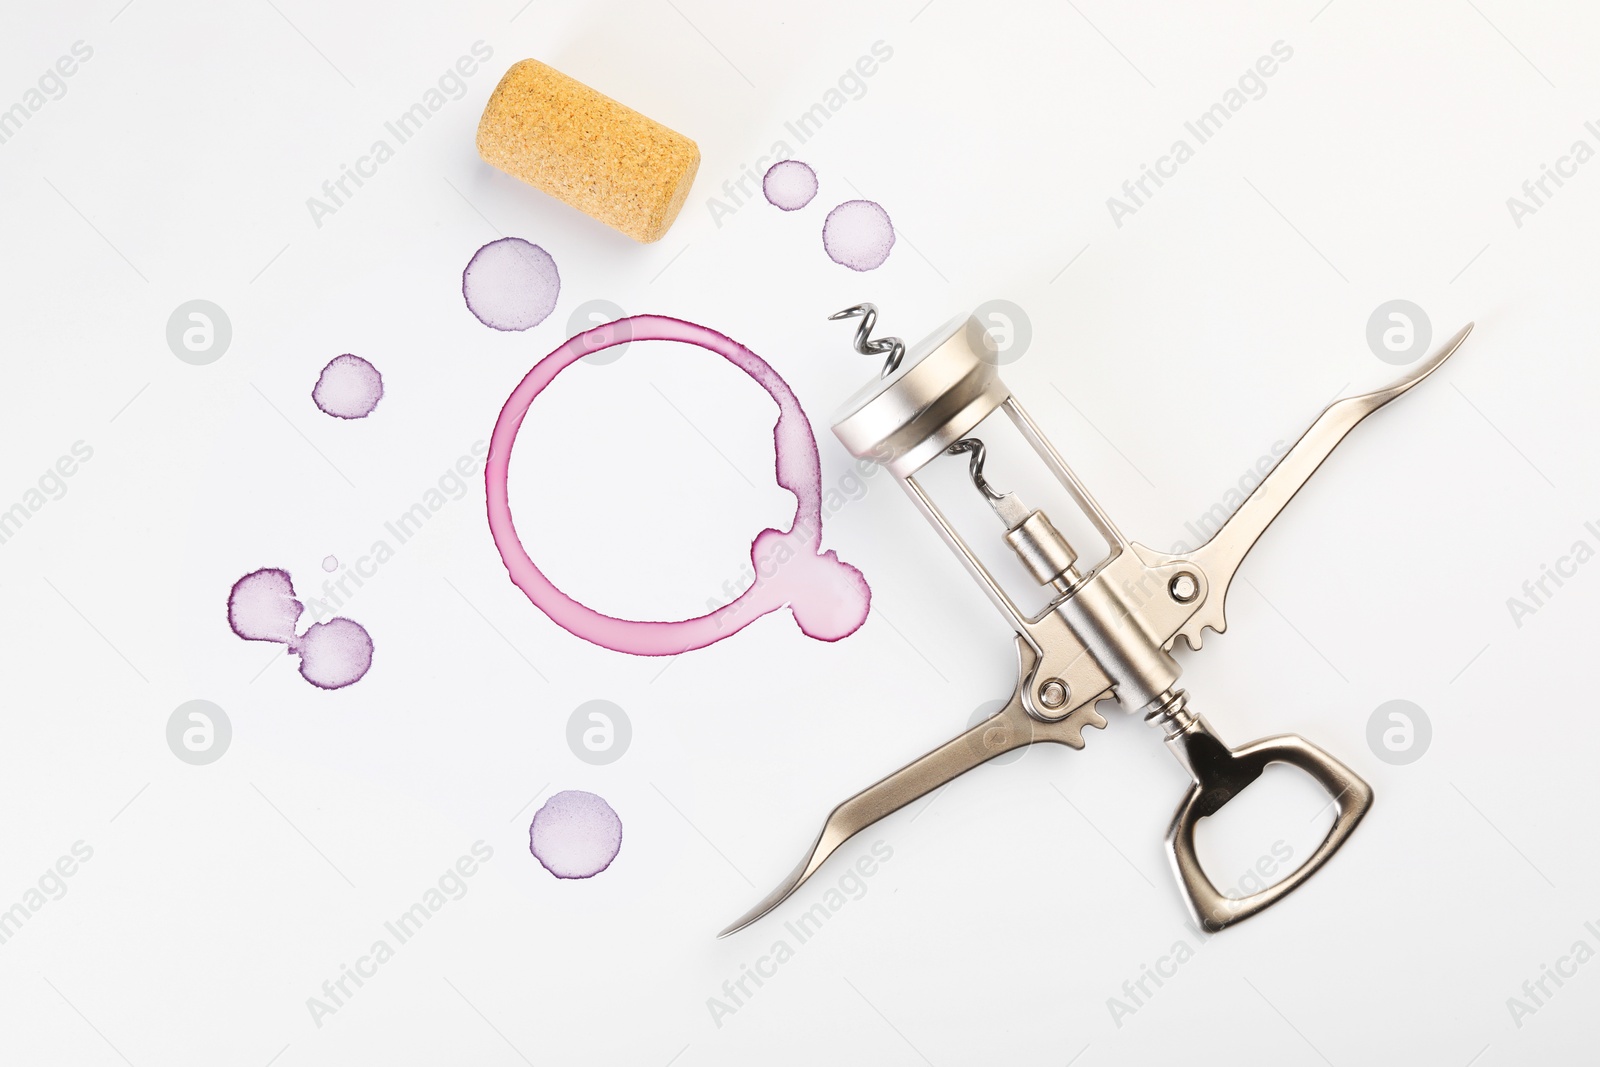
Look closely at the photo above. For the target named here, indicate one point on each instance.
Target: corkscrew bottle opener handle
(1107, 632)
(1220, 774)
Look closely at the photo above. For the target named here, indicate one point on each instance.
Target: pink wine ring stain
(333, 654)
(829, 598)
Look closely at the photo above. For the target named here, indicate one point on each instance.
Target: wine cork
(584, 148)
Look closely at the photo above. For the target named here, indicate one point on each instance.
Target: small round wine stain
(330, 563)
(511, 284)
(789, 185)
(348, 388)
(335, 653)
(575, 834)
(858, 234)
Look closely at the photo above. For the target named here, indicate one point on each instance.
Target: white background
(1168, 355)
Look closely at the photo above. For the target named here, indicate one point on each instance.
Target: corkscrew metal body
(1106, 632)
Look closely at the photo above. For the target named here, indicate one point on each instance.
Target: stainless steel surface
(1122, 613)
(908, 419)
(1041, 548)
(1220, 557)
(1060, 654)
(1107, 632)
(1058, 466)
(1009, 728)
(1220, 774)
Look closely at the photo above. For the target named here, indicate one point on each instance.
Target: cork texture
(584, 148)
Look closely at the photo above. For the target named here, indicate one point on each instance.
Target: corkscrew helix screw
(892, 346)
(975, 465)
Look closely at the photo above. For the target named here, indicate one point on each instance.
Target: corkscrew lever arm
(1221, 556)
(1011, 727)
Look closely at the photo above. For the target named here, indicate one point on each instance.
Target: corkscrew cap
(942, 389)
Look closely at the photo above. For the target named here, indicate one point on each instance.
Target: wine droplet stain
(828, 598)
(511, 284)
(333, 654)
(575, 834)
(858, 234)
(348, 388)
(330, 563)
(262, 607)
(789, 185)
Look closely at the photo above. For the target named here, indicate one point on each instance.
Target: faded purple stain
(858, 234)
(511, 284)
(333, 654)
(262, 607)
(348, 388)
(575, 834)
(330, 563)
(789, 185)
